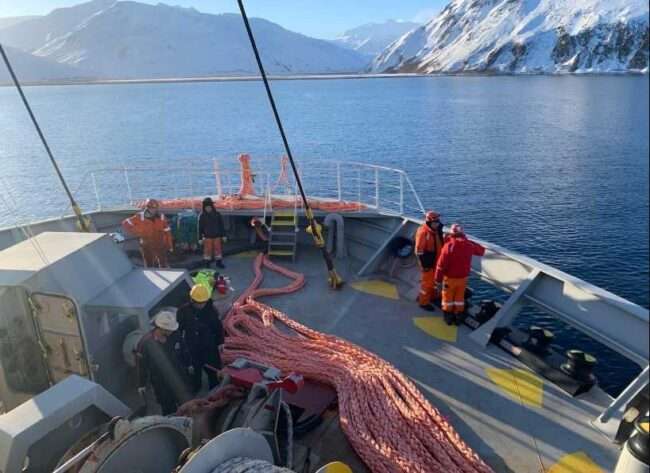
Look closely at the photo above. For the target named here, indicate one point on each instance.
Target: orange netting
(246, 198)
(235, 202)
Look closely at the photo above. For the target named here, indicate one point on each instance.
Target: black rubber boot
(428, 307)
(220, 264)
(459, 319)
(449, 318)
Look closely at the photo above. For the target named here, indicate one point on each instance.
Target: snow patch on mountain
(373, 38)
(29, 68)
(131, 40)
(526, 36)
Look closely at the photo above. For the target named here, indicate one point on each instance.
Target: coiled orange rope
(391, 426)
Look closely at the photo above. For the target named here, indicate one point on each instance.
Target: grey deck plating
(521, 425)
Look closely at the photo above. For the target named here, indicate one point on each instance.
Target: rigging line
(83, 224)
(335, 280)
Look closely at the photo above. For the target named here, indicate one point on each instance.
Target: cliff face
(526, 36)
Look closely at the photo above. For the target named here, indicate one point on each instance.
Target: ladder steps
(283, 238)
(282, 253)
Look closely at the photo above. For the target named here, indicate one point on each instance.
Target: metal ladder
(283, 234)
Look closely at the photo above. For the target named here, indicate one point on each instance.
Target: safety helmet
(432, 216)
(457, 229)
(166, 320)
(151, 204)
(199, 293)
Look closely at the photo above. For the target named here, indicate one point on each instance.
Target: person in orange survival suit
(428, 243)
(454, 265)
(152, 228)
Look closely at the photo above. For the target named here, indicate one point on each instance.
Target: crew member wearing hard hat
(453, 268)
(211, 233)
(152, 228)
(428, 244)
(159, 363)
(202, 333)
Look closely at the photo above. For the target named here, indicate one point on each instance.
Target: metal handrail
(376, 187)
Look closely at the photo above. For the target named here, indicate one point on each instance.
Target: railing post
(217, 177)
(401, 193)
(128, 185)
(359, 188)
(377, 188)
(338, 181)
(192, 189)
(99, 202)
(415, 194)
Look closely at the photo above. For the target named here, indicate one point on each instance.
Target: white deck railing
(383, 189)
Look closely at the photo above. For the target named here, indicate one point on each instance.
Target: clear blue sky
(319, 18)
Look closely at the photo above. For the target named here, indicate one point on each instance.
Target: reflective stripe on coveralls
(427, 247)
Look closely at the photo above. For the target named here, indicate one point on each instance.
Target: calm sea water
(554, 167)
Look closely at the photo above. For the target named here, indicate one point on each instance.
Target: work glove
(190, 370)
(224, 239)
(201, 241)
(142, 391)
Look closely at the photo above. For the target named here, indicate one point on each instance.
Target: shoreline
(252, 78)
(226, 78)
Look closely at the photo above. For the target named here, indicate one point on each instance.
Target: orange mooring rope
(391, 426)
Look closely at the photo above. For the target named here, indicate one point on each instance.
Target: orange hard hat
(457, 229)
(151, 204)
(432, 216)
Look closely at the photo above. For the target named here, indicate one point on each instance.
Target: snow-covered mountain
(29, 68)
(125, 39)
(31, 34)
(550, 36)
(373, 38)
(6, 22)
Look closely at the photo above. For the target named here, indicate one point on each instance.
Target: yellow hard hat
(199, 293)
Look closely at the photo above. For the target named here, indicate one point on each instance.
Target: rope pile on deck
(386, 419)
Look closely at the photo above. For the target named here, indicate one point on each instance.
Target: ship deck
(515, 420)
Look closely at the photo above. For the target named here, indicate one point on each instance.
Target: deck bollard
(635, 455)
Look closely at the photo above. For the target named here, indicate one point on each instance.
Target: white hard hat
(166, 320)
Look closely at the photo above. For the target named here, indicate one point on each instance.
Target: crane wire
(335, 280)
(83, 223)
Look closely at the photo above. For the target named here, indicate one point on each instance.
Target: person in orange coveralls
(428, 244)
(454, 266)
(152, 228)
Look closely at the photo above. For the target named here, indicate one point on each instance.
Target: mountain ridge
(527, 36)
(373, 38)
(132, 40)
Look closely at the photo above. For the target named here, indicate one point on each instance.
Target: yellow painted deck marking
(335, 467)
(377, 288)
(523, 385)
(247, 254)
(574, 463)
(437, 328)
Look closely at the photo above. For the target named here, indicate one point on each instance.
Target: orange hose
(386, 419)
